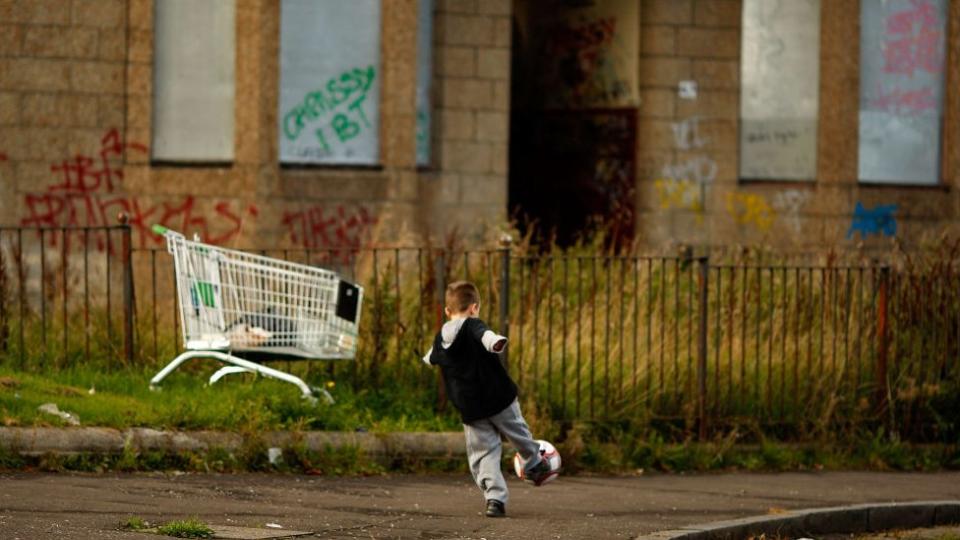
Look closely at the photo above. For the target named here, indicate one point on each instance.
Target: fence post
(881, 373)
(440, 268)
(128, 309)
(704, 266)
(505, 242)
(440, 276)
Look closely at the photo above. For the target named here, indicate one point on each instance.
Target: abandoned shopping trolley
(237, 307)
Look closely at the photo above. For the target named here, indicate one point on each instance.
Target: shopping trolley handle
(170, 235)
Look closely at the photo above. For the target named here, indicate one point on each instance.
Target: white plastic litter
(51, 408)
(274, 525)
(274, 455)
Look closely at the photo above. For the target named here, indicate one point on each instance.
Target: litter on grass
(51, 408)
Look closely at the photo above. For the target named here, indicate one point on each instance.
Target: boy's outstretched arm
(492, 341)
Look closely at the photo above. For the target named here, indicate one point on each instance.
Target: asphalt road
(84, 506)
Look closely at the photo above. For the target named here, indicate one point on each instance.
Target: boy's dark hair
(460, 295)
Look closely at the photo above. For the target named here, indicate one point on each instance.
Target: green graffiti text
(351, 86)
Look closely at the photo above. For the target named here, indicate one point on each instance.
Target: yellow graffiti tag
(678, 194)
(750, 209)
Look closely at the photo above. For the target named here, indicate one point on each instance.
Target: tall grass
(794, 348)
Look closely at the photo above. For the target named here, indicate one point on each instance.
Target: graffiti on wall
(686, 134)
(333, 114)
(591, 52)
(913, 59)
(699, 169)
(901, 101)
(320, 227)
(790, 203)
(903, 54)
(879, 220)
(913, 39)
(86, 195)
(750, 209)
(87, 191)
(683, 184)
(679, 194)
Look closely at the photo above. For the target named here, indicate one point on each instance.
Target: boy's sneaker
(538, 473)
(495, 509)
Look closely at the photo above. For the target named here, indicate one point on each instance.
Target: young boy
(478, 385)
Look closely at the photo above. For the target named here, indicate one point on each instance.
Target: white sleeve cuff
(491, 340)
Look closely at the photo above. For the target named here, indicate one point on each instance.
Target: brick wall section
(472, 91)
(73, 70)
(61, 88)
(695, 40)
(700, 40)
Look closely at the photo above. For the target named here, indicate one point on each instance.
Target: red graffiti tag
(905, 101)
(914, 41)
(85, 174)
(85, 197)
(317, 227)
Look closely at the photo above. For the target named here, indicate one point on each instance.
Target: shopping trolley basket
(237, 307)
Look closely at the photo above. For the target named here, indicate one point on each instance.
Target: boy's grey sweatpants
(484, 449)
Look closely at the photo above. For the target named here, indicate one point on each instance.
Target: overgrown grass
(122, 399)
(792, 346)
(251, 406)
(598, 338)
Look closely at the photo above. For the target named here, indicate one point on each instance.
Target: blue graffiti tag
(878, 221)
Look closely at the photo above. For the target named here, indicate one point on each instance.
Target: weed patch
(134, 523)
(186, 528)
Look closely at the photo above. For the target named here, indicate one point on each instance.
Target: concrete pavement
(81, 506)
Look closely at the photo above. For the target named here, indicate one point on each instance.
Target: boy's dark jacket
(475, 380)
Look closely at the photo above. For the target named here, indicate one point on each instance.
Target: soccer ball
(549, 453)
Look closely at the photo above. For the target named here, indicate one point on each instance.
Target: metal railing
(696, 345)
(63, 291)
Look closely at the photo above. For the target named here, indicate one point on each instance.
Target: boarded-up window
(424, 77)
(193, 94)
(329, 81)
(902, 52)
(779, 89)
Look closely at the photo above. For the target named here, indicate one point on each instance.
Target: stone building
(112, 105)
(799, 124)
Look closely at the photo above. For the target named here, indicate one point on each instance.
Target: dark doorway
(572, 172)
(572, 142)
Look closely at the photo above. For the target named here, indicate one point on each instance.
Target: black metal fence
(692, 343)
(65, 295)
